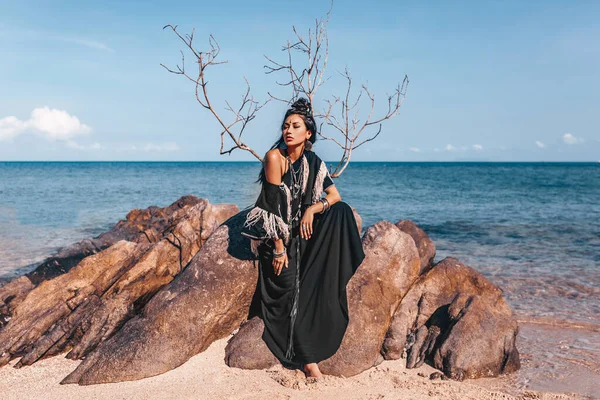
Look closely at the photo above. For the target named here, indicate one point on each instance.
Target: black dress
(304, 309)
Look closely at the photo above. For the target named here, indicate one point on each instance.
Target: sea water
(532, 228)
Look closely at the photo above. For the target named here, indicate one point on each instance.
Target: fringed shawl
(271, 216)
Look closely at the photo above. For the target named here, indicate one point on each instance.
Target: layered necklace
(296, 187)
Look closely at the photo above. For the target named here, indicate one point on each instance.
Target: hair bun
(302, 106)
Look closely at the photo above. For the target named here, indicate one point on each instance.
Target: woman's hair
(303, 108)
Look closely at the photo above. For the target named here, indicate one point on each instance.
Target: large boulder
(138, 226)
(390, 266)
(90, 302)
(456, 319)
(247, 350)
(424, 244)
(206, 302)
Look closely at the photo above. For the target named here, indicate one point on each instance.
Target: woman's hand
(279, 263)
(306, 225)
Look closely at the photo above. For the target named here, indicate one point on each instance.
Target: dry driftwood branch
(341, 113)
(242, 114)
(314, 48)
(348, 124)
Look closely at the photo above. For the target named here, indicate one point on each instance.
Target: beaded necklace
(296, 183)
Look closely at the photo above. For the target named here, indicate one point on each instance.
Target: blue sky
(489, 80)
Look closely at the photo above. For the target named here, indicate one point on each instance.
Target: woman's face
(294, 130)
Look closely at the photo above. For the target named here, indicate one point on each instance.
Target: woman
(308, 248)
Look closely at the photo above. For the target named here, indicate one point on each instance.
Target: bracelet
(278, 255)
(325, 205)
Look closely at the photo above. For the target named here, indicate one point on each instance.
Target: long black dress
(304, 309)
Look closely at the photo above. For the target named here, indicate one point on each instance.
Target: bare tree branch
(342, 113)
(242, 115)
(351, 128)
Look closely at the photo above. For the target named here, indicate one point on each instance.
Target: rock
(149, 223)
(457, 319)
(390, 266)
(40, 314)
(88, 304)
(206, 302)
(15, 289)
(247, 350)
(138, 226)
(358, 219)
(437, 375)
(424, 244)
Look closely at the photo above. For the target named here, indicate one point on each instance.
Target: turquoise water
(532, 228)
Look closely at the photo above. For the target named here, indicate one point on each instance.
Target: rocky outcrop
(89, 303)
(139, 226)
(247, 350)
(456, 319)
(390, 266)
(424, 244)
(206, 302)
(143, 306)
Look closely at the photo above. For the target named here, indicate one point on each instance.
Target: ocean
(532, 228)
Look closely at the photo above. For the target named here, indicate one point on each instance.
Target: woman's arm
(273, 173)
(333, 196)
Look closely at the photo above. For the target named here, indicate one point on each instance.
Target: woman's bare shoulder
(274, 157)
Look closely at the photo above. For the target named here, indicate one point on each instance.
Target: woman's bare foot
(312, 371)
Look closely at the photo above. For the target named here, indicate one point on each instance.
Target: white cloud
(449, 147)
(415, 149)
(477, 147)
(436, 150)
(57, 124)
(51, 124)
(10, 127)
(169, 146)
(88, 43)
(539, 144)
(74, 145)
(47, 36)
(570, 139)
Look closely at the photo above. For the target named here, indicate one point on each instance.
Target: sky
(489, 80)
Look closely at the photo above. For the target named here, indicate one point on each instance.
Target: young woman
(308, 247)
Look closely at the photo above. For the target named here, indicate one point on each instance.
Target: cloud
(169, 146)
(10, 127)
(415, 149)
(46, 36)
(478, 147)
(570, 139)
(539, 144)
(57, 124)
(449, 147)
(74, 145)
(93, 44)
(51, 124)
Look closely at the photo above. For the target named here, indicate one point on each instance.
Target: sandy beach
(206, 376)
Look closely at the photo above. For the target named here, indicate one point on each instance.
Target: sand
(206, 376)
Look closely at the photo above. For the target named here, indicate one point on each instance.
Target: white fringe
(254, 246)
(305, 170)
(319, 179)
(271, 222)
(288, 197)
